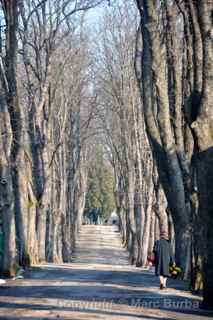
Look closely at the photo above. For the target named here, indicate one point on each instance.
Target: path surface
(99, 284)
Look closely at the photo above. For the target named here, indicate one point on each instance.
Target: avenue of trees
(46, 109)
(138, 85)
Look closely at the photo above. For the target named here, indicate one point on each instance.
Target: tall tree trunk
(15, 166)
(203, 129)
(162, 138)
(10, 260)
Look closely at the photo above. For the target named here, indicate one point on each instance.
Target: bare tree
(122, 121)
(176, 59)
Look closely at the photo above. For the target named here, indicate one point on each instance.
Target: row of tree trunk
(160, 146)
(174, 71)
(140, 200)
(44, 117)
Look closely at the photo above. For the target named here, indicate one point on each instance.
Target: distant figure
(95, 216)
(113, 219)
(91, 217)
(163, 258)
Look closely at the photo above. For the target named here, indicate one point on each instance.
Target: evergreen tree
(100, 187)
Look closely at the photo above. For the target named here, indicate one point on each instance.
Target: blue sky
(95, 14)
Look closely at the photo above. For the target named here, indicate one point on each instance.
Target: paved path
(99, 284)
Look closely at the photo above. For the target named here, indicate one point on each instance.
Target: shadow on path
(115, 288)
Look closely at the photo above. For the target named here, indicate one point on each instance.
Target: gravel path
(98, 284)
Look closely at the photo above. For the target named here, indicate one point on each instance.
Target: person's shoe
(161, 286)
(2, 281)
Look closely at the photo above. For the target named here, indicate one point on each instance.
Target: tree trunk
(203, 129)
(161, 136)
(10, 260)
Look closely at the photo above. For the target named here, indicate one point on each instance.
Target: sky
(95, 14)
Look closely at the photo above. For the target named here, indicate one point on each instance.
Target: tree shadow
(132, 279)
(90, 285)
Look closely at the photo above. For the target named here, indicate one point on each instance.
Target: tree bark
(203, 129)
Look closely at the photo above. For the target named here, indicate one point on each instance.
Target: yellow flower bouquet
(175, 271)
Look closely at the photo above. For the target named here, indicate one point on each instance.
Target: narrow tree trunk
(10, 260)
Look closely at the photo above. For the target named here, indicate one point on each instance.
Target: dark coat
(163, 257)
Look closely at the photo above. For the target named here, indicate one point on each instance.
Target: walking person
(163, 258)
